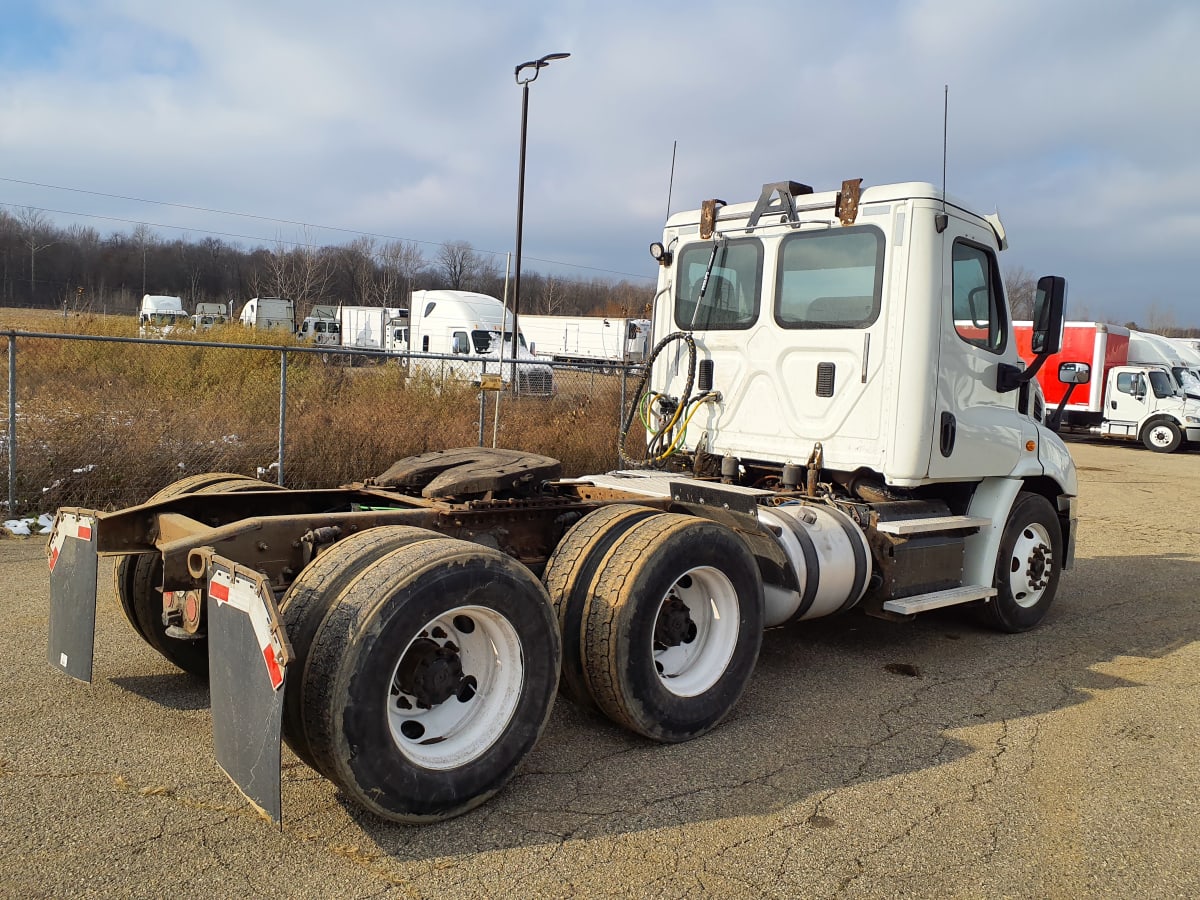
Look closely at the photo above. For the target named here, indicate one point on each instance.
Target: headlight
(1192, 420)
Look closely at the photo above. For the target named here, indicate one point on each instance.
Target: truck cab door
(1127, 398)
(977, 429)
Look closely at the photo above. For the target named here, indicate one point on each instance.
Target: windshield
(1160, 383)
(1187, 379)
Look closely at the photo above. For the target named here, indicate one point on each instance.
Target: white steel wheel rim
(455, 732)
(1160, 435)
(1031, 565)
(691, 667)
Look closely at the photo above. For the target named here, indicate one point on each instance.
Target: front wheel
(673, 627)
(430, 679)
(1162, 436)
(1027, 566)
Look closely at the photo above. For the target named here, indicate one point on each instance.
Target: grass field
(105, 424)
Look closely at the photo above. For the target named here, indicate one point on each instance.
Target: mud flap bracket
(248, 654)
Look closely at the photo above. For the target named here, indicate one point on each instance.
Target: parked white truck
(836, 417)
(209, 314)
(587, 339)
(269, 312)
(322, 326)
(160, 314)
(468, 326)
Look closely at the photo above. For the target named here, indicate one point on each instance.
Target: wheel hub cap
(430, 672)
(674, 625)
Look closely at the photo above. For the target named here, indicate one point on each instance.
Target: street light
(525, 73)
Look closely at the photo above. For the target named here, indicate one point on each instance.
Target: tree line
(78, 269)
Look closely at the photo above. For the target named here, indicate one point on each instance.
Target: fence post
(482, 412)
(282, 413)
(12, 425)
(621, 413)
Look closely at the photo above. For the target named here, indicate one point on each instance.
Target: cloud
(1074, 119)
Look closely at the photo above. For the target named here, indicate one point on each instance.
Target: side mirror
(1074, 373)
(1049, 305)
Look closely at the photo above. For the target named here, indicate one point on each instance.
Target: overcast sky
(1077, 120)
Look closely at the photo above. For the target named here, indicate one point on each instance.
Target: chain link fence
(105, 421)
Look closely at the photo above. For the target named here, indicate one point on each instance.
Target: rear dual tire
(662, 619)
(428, 680)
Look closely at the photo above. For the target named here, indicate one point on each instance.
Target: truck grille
(539, 383)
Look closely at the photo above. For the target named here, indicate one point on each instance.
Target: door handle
(948, 428)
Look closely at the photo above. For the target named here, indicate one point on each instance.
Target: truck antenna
(941, 220)
(671, 180)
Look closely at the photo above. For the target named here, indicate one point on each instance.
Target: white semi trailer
(587, 339)
(835, 418)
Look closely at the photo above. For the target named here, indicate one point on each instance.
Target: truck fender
(992, 500)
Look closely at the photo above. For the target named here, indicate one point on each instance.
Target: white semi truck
(160, 314)
(587, 339)
(474, 328)
(209, 314)
(836, 418)
(270, 312)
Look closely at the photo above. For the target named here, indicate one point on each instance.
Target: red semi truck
(1106, 394)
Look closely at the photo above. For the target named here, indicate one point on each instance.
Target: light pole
(525, 73)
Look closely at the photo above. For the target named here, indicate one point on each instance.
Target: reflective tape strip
(242, 594)
(65, 526)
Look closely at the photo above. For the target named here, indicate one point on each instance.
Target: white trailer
(587, 339)
(836, 417)
(160, 314)
(269, 312)
(366, 327)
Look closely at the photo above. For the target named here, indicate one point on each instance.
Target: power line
(262, 218)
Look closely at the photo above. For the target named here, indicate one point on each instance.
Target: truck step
(907, 606)
(903, 527)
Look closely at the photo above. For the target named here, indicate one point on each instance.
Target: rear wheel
(139, 578)
(673, 627)
(1027, 566)
(1162, 436)
(430, 679)
(569, 576)
(307, 602)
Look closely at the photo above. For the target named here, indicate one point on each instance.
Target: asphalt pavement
(867, 759)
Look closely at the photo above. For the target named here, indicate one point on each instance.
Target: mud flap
(71, 553)
(248, 655)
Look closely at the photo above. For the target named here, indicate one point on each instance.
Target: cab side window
(978, 297)
(1130, 383)
(459, 343)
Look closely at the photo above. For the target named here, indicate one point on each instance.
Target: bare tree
(301, 273)
(358, 262)
(1021, 287)
(400, 261)
(36, 225)
(456, 262)
(552, 296)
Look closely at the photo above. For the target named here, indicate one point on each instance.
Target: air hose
(655, 452)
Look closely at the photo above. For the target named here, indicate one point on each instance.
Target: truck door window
(731, 300)
(830, 279)
(459, 343)
(978, 311)
(1130, 383)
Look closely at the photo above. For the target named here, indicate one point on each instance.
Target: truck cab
(1143, 402)
(879, 331)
